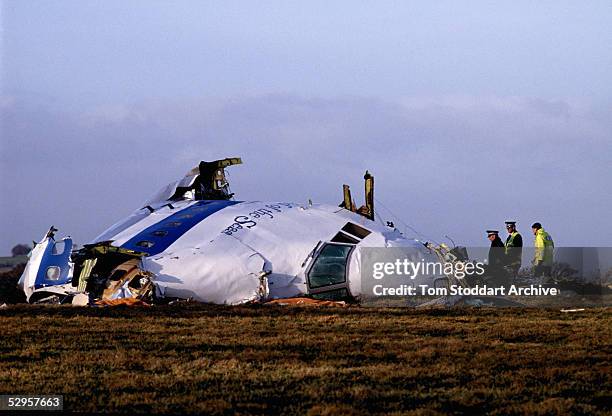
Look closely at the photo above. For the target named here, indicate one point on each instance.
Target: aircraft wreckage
(192, 240)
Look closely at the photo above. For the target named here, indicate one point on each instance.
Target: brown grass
(271, 359)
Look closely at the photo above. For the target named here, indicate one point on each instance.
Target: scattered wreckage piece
(48, 272)
(121, 302)
(108, 273)
(104, 272)
(307, 302)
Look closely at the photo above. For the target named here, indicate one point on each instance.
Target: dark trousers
(540, 270)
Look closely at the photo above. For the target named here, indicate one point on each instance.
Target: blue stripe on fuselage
(162, 234)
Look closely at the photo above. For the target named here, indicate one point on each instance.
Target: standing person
(497, 260)
(514, 250)
(544, 251)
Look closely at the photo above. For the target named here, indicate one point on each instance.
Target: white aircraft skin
(231, 252)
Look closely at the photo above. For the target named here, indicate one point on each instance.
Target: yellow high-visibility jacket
(544, 247)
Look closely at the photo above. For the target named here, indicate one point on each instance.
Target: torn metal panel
(48, 267)
(86, 270)
(128, 280)
(367, 210)
(109, 272)
(226, 272)
(207, 181)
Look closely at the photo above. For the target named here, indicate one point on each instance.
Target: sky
(466, 113)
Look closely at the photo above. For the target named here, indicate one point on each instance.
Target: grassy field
(264, 359)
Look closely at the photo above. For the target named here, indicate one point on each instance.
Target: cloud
(446, 165)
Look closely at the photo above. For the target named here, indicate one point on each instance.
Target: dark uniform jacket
(497, 254)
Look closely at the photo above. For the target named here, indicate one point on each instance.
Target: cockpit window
(53, 273)
(356, 230)
(341, 237)
(330, 266)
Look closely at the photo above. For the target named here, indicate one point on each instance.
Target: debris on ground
(121, 302)
(307, 302)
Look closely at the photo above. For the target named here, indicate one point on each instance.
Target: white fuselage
(217, 251)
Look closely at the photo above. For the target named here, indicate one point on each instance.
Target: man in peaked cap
(514, 249)
(497, 259)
